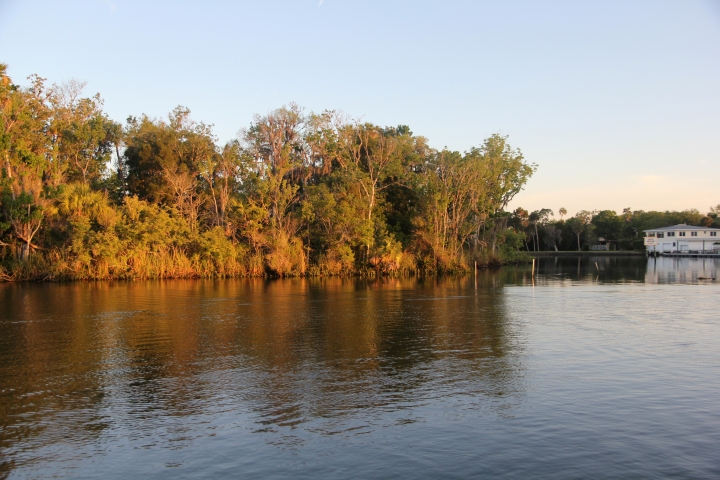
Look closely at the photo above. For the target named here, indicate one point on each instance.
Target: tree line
(542, 231)
(85, 197)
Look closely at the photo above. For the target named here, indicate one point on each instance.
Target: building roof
(682, 226)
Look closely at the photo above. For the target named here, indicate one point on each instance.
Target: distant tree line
(85, 197)
(541, 231)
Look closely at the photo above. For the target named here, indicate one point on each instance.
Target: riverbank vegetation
(85, 197)
(542, 231)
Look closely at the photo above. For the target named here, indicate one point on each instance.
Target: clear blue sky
(617, 102)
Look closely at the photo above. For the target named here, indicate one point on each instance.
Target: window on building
(651, 234)
(661, 235)
(671, 234)
(693, 234)
(682, 234)
(713, 234)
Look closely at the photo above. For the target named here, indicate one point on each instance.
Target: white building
(682, 239)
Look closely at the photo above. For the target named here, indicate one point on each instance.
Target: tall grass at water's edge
(59, 266)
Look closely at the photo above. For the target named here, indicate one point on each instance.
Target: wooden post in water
(533, 269)
(475, 277)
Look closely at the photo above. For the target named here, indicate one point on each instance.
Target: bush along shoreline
(83, 197)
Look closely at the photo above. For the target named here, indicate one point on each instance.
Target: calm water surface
(586, 371)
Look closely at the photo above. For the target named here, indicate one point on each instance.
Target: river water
(601, 367)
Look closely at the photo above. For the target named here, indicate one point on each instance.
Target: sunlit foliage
(296, 193)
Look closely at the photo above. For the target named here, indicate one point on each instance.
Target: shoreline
(591, 253)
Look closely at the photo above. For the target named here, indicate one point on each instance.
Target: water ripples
(457, 377)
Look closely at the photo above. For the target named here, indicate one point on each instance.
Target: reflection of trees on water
(607, 269)
(366, 345)
(48, 361)
(84, 364)
(577, 269)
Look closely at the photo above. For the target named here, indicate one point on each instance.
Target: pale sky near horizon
(618, 102)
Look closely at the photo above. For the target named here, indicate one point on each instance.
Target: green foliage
(584, 229)
(511, 241)
(607, 224)
(294, 194)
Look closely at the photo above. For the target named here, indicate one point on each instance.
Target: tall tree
(539, 217)
(607, 224)
(373, 155)
(276, 148)
(164, 161)
(25, 151)
(221, 174)
(553, 234)
(562, 212)
(579, 223)
(83, 134)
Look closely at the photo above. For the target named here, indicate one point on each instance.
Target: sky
(617, 102)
